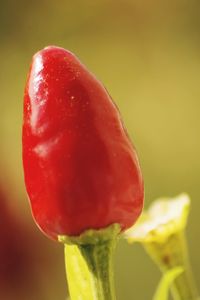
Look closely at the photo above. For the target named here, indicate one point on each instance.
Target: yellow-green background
(147, 54)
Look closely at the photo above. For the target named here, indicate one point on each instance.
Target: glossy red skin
(81, 170)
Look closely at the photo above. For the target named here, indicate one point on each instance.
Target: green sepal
(92, 236)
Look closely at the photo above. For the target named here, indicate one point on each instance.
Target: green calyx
(89, 263)
(92, 236)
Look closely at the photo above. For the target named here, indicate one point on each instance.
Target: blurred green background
(147, 54)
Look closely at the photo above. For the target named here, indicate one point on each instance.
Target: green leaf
(167, 279)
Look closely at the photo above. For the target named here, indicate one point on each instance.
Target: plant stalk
(89, 264)
(171, 254)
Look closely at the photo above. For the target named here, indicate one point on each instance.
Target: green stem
(89, 264)
(170, 254)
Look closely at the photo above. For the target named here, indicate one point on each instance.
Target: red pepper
(81, 170)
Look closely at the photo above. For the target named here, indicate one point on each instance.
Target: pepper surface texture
(81, 169)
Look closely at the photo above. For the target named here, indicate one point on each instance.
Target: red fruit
(81, 170)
